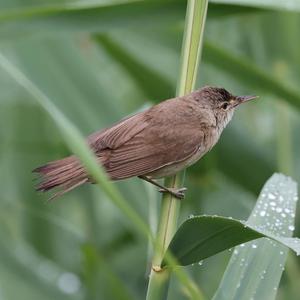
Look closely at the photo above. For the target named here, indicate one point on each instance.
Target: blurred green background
(99, 61)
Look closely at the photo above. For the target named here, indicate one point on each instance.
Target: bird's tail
(64, 174)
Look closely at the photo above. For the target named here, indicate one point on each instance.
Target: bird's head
(221, 102)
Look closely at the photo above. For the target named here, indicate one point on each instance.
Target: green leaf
(249, 73)
(255, 269)
(273, 4)
(154, 85)
(101, 16)
(203, 236)
(53, 8)
(216, 10)
(30, 9)
(92, 18)
(75, 141)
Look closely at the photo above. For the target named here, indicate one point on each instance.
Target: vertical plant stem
(191, 49)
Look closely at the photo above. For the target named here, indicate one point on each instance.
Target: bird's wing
(118, 134)
(152, 149)
(149, 140)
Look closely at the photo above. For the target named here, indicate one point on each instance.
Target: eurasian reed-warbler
(155, 143)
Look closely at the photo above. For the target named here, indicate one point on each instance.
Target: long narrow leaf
(76, 143)
(102, 16)
(92, 19)
(248, 73)
(255, 269)
(154, 85)
(203, 236)
(273, 4)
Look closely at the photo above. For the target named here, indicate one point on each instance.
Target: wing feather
(119, 133)
(139, 156)
(142, 143)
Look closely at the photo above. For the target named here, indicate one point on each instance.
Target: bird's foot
(177, 193)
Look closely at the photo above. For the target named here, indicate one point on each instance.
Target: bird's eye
(225, 105)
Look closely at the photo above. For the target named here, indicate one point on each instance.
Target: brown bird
(155, 143)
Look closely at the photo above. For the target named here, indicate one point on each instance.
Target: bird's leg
(178, 193)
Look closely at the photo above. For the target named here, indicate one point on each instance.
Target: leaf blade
(255, 269)
(203, 236)
(273, 4)
(249, 73)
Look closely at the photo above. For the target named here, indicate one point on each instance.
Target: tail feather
(65, 174)
(67, 188)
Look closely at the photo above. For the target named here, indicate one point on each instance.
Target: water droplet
(291, 228)
(272, 203)
(200, 263)
(235, 252)
(191, 216)
(278, 209)
(254, 246)
(271, 196)
(262, 213)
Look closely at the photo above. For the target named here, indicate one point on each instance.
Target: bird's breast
(175, 167)
(206, 144)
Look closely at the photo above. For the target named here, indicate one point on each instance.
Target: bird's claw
(177, 193)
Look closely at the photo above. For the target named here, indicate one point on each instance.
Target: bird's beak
(243, 99)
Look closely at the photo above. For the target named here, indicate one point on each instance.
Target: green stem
(191, 48)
